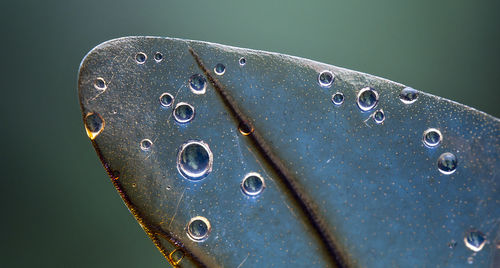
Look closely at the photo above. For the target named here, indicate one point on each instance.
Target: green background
(59, 208)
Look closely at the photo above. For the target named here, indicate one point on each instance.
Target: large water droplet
(94, 125)
(100, 84)
(475, 240)
(198, 84)
(146, 144)
(198, 229)
(194, 160)
(166, 99)
(379, 116)
(158, 57)
(220, 69)
(338, 98)
(242, 61)
(408, 95)
(325, 79)
(432, 137)
(252, 184)
(183, 112)
(447, 163)
(367, 99)
(176, 256)
(140, 58)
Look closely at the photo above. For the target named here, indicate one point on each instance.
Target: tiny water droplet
(253, 184)
(94, 125)
(158, 56)
(432, 137)
(146, 144)
(245, 128)
(452, 244)
(183, 112)
(470, 260)
(325, 79)
(379, 116)
(408, 95)
(338, 98)
(367, 99)
(475, 240)
(198, 84)
(198, 229)
(140, 58)
(176, 256)
(194, 161)
(220, 69)
(166, 99)
(447, 163)
(242, 61)
(100, 84)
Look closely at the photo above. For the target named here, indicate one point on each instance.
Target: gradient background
(59, 208)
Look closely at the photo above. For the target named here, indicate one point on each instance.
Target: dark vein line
(306, 204)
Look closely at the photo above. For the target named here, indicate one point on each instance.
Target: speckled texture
(376, 186)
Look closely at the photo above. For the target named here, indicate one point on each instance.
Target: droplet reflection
(166, 99)
(198, 84)
(432, 137)
(146, 144)
(94, 125)
(325, 79)
(338, 98)
(252, 184)
(140, 58)
(447, 163)
(475, 240)
(194, 161)
(408, 95)
(198, 229)
(220, 69)
(367, 99)
(183, 112)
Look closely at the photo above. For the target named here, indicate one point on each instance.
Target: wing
(232, 157)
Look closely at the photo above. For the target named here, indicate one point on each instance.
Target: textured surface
(376, 187)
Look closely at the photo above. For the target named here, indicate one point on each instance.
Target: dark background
(59, 208)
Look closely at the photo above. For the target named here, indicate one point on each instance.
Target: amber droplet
(245, 128)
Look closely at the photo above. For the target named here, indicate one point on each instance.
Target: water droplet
(325, 79)
(338, 98)
(194, 160)
(146, 144)
(470, 260)
(158, 57)
(432, 137)
(183, 112)
(198, 229)
(447, 163)
(452, 244)
(245, 128)
(252, 184)
(367, 99)
(408, 95)
(140, 58)
(176, 256)
(166, 99)
(100, 84)
(94, 125)
(379, 116)
(242, 61)
(198, 84)
(220, 69)
(475, 240)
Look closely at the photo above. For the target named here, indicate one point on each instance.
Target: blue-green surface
(338, 177)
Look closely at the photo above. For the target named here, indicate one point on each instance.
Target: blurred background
(59, 208)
